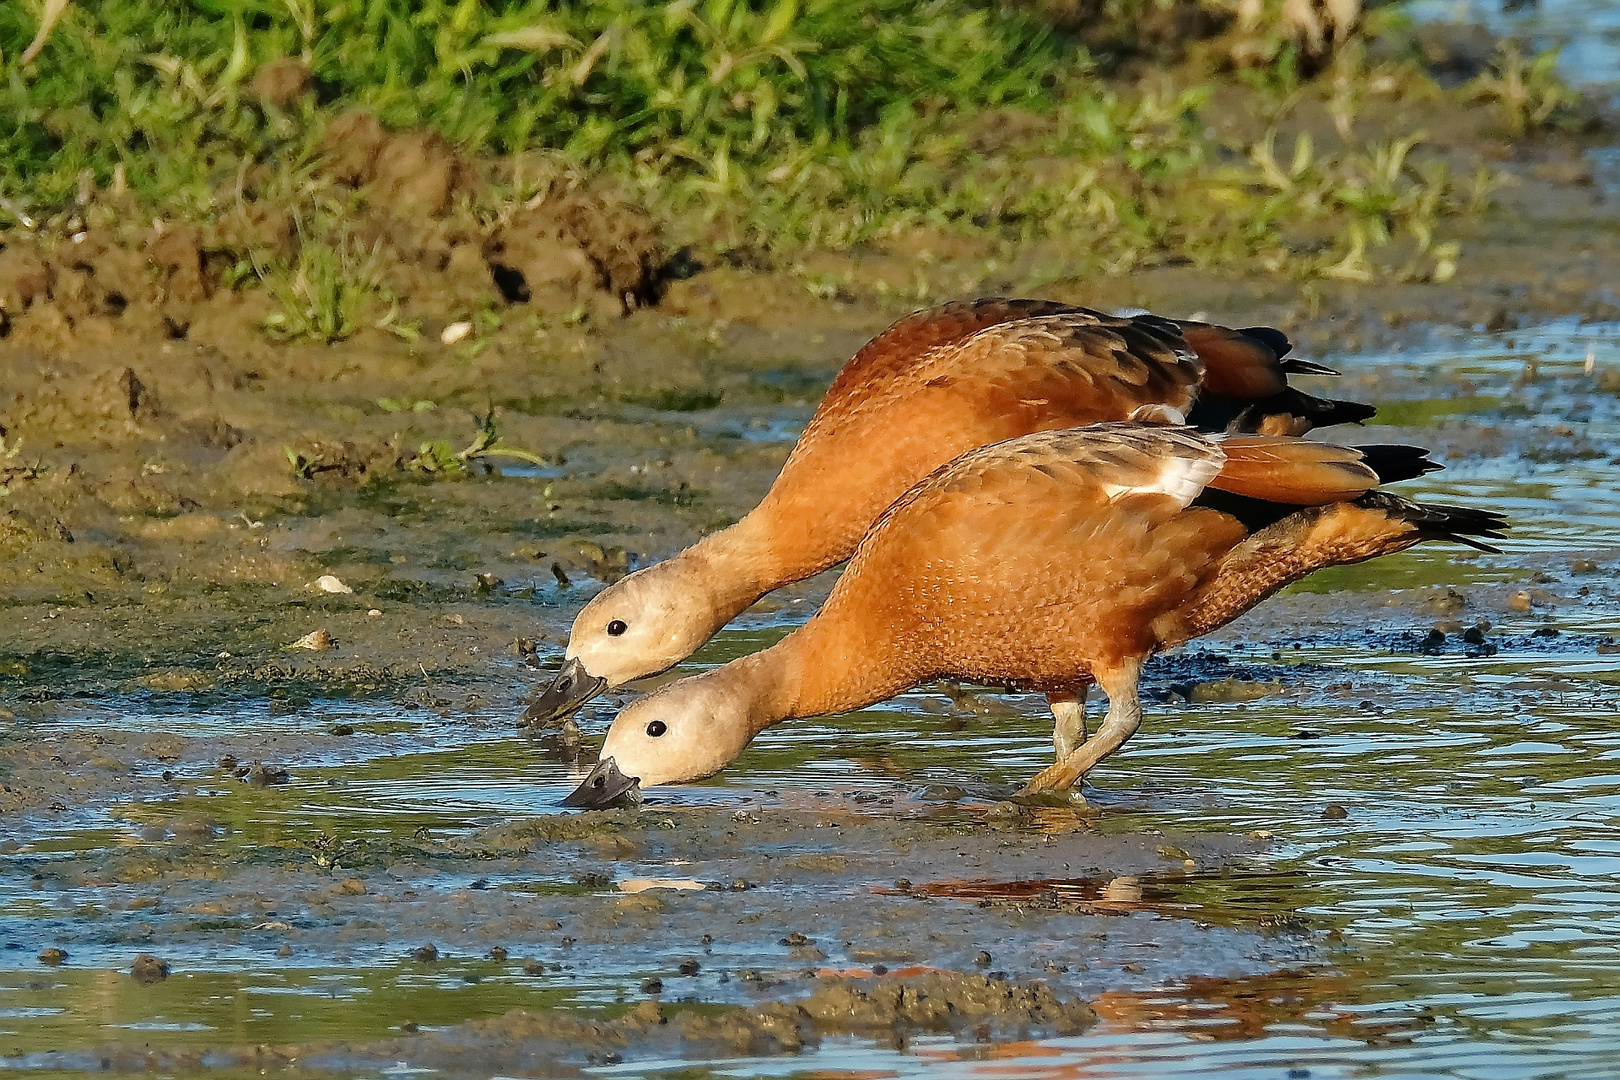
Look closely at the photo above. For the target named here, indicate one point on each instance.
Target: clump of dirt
(440, 243)
(414, 172)
(565, 246)
(942, 1001)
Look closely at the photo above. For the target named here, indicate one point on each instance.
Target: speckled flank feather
(1375, 524)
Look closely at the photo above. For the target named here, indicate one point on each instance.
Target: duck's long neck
(828, 665)
(737, 566)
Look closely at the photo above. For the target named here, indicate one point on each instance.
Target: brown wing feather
(1088, 364)
(900, 346)
(1238, 365)
(1072, 467)
(1291, 471)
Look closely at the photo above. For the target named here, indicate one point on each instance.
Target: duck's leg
(1069, 716)
(1124, 717)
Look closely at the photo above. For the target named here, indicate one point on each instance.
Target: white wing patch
(1181, 478)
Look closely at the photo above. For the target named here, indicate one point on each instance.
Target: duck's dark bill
(572, 687)
(604, 787)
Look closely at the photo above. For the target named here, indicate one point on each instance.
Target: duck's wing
(1067, 354)
(899, 348)
(1029, 491)
(1069, 369)
(1080, 365)
(1087, 467)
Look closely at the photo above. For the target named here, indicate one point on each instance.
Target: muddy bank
(622, 932)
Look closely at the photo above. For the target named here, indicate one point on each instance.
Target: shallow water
(1440, 898)
(1586, 32)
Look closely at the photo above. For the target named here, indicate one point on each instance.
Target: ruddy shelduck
(1047, 562)
(934, 385)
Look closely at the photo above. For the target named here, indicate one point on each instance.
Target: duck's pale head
(637, 626)
(684, 731)
(643, 624)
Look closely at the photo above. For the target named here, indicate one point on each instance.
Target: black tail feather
(1394, 463)
(1459, 524)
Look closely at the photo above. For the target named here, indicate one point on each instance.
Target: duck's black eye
(616, 627)
(656, 728)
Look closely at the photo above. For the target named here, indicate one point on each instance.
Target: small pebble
(315, 641)
(285, 950)
(1335, 812)
(148, 969)
(262, 775)
(795, 940)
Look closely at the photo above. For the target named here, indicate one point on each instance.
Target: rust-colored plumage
(933, 386)
(1050, 562)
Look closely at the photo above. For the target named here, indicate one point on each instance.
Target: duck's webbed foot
(1124, 717)
(1069, 720)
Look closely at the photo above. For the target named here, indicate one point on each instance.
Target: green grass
(142, 83)
(774, 126)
